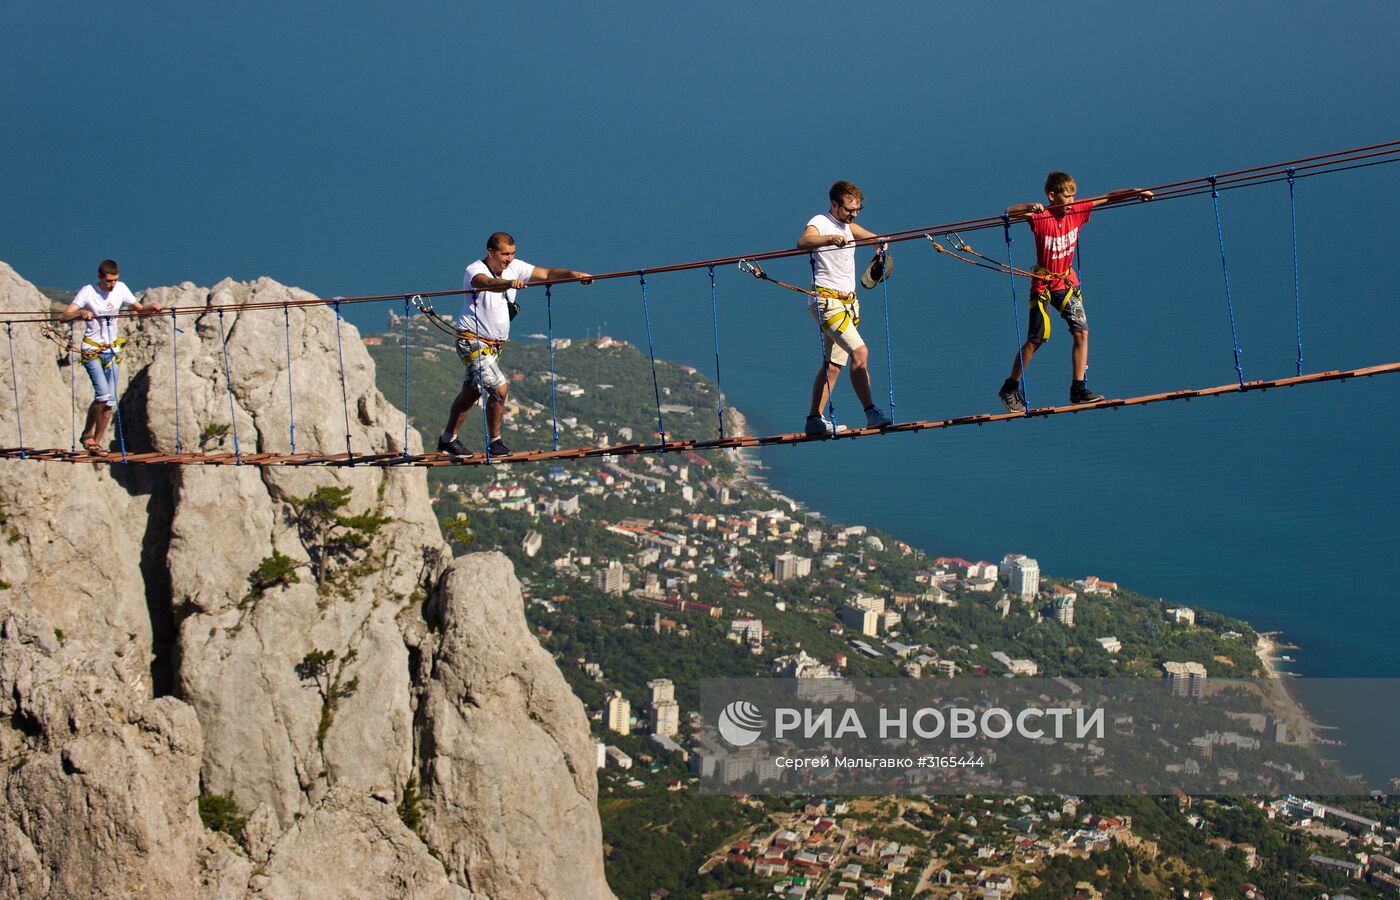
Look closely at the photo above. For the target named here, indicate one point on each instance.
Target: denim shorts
(104, 379)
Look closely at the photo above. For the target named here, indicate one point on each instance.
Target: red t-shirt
(1056, 238)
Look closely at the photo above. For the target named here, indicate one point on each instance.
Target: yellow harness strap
(489, 347)
(844, 319)
(115, 348)
(1046, 275)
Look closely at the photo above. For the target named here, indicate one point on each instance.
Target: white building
(1062, 608)
(660, 690)
(790, 565)
(618, 713)
(866, 621)
(1111, 644)
(666, 718)
(1022, 575)
(612, 580)
(1182, 615)
(1188, 679)
(532, 543)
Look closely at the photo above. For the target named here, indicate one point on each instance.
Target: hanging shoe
(1080, 394)
(875, 418)
(1012, 397)
(453, 447)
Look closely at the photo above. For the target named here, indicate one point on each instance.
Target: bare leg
(496, 410)
(822, 385)
(461, 405)
(104, 416)
(860, 375)
(1079, 354)
(90, 425)
(1022, 360)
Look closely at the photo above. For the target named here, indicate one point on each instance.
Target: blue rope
(1297, 284)
(228, 382)
(553, 404)
(291, 403)
(406, 313)
(175, 376)
(116, 397)
(821, 343)
(714, 313)
(1015, 313)
(14, 383)
(889, 352)
(656, 385)
(1229, 302)
(344, 393)
(72, 389)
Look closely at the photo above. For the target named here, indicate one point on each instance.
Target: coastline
(1302, 729)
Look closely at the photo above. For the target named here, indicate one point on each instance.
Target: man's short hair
(1058, 181)
(843, 189)
(499, 241)
(108, 268)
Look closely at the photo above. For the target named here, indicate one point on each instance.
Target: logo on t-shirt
(1058, 246)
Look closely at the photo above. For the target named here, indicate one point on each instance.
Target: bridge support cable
(228, 382)
(1297, 284)
(655, 385)
(553, 376)
(14, 383)
(291, 401)
(719, 386)
(1225, 270)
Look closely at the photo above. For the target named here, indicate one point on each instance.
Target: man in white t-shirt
(483, 327)
(828, 237)
(98, 305)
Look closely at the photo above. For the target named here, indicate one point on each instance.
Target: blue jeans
(104, 380)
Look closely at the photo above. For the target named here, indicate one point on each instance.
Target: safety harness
(839, 322)
(95, 350)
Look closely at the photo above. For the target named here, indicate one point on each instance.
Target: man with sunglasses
(98, 305)
(829, 238)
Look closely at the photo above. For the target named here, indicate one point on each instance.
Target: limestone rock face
(147, 669)
(101, 781)
(505, 754)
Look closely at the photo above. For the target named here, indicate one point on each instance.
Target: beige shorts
(483, 372)
(838, 343)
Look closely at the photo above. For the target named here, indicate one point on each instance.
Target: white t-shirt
(836, 267)
(484, 313)
(104, 306)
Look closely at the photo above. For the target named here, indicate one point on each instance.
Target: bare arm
(862, 233)
(1123, 194)
(543, 274)
(812, 239)
(1024, 210)
(74, 311)
(146, 309)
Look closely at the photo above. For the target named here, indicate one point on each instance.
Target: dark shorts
(1069, 304)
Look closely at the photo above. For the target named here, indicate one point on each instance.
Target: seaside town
(644, 574)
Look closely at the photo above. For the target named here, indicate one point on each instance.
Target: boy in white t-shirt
(483, 327)
(828, 236)
(98, 305)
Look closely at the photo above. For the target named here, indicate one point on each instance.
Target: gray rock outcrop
(147, 573)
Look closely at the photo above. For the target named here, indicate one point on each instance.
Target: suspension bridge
(1289, 173)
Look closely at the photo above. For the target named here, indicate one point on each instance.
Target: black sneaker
(453, 447)
(1012, 397)
(1079, 394)
(498, 448)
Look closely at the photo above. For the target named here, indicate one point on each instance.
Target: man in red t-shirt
(1056, 228)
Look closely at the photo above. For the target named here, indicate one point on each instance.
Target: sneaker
(1012, 397)
(1079, 394)
(453, 447)
(498, 447)
(875, 418)
(818, 424)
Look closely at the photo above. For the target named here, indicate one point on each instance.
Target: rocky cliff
(145, 663)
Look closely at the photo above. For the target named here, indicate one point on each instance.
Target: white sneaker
(876, 418)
